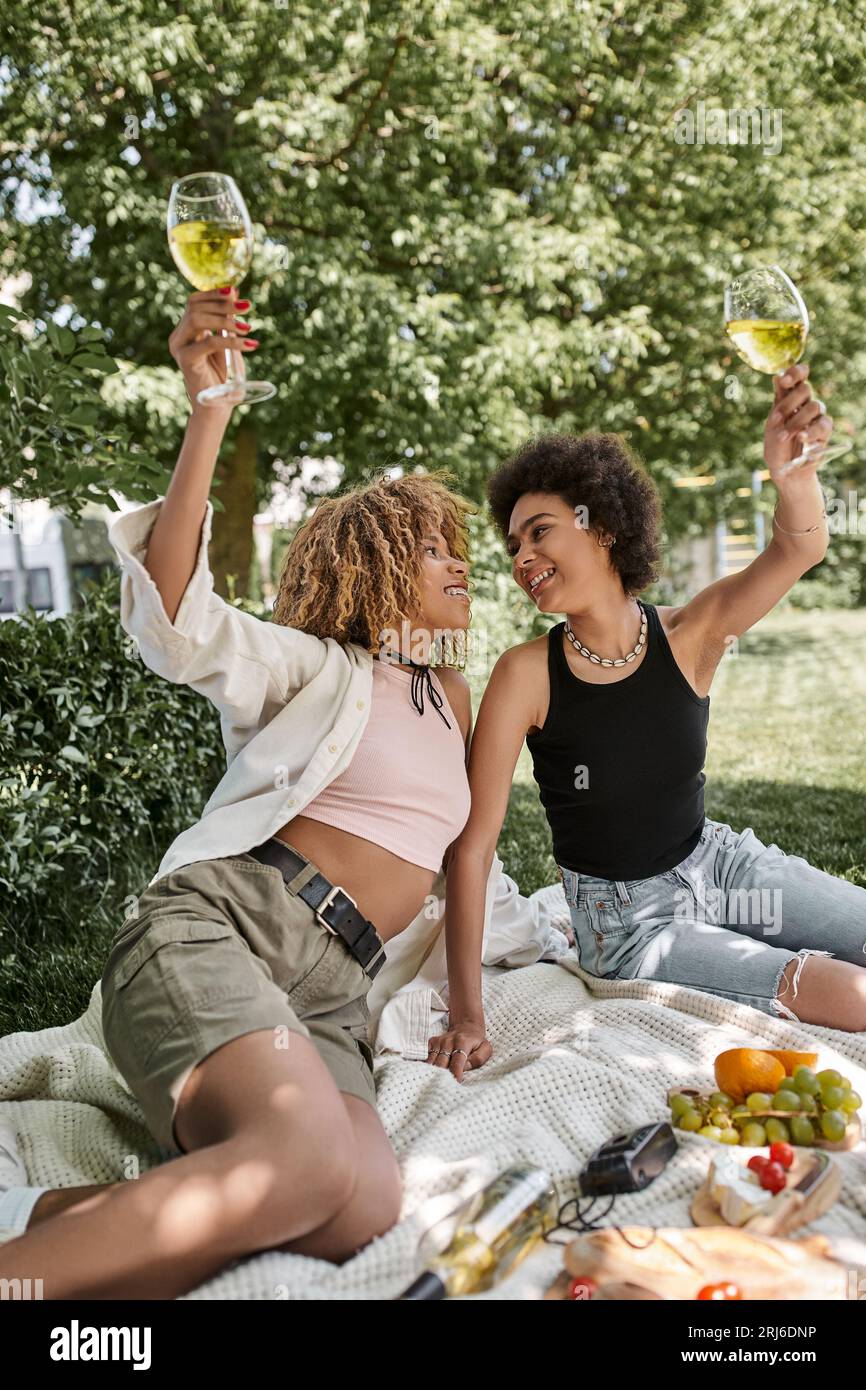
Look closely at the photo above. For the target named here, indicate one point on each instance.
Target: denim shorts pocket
(605, 914)
(599, 933)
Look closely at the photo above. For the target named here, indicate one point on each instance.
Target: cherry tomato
(757, 1162)
(772, 1177)
(718, 1291)
(582, 1288)
(781, 1153)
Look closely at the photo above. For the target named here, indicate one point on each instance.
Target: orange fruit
(741, 1070)
(792, 1060)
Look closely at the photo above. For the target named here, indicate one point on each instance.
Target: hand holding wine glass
(199, 349)
(210, 236)
(768, 323)
(796, 421)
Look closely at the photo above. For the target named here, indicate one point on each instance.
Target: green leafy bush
(101, 760)
(58, 439)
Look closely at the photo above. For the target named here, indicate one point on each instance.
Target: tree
(51, 445)
(474, 223)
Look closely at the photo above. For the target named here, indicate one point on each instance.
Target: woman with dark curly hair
(613, 704)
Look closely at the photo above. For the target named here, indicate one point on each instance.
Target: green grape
(777, 1131)
(690, 1121)
(754, 1135)
(809, 1104)
(829, 1077)
(785, 1100)
(720, 1118)
(805, 1081)
(851, 1102)
(833, 1125)
(729, 1136)
(801, 1130)
(759, 1100)
(720, 1100)
(741, 1112)
(832, 1097)
(680, 1104)
(710, 1132)
(845, 1083)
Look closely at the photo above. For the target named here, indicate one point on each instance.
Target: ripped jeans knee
(791, 987)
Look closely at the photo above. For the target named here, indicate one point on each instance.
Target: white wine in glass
(768, 323)
(210, 236)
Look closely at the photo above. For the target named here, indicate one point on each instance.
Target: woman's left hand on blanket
(796, 418)
(463, 1048)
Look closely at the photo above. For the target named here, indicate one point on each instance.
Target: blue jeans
(726, 920)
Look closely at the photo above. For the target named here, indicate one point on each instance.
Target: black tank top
(619, 767)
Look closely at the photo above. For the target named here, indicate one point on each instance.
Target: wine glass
(768, 322)
(210, 236)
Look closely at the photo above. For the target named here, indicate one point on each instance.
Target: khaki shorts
(217, 949)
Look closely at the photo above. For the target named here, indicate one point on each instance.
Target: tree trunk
(231, 543)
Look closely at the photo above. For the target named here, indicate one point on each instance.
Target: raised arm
(185, 632)
(174, 540)
(504, 716)
(728, 607)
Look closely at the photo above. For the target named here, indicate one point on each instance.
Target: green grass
(787, 757)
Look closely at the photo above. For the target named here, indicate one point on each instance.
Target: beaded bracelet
(807, 532)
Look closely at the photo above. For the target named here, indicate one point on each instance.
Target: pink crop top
(406, 787)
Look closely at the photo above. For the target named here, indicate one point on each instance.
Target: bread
(676, 1263)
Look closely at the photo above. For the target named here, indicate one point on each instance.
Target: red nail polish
(225, 289)
(243, 303)
(242, 327)
(251, 342)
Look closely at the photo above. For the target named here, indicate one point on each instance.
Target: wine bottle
(500, 1226)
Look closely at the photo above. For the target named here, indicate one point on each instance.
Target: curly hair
(604, 474)
(353, 569)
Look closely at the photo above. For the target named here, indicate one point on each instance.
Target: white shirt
(293, 708)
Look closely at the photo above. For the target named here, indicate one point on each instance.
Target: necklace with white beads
(606, 660)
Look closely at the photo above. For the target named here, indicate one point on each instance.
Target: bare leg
(59, 1198)
(272, 1156)
(829, 991)
(375, 1203)
(376, 1191)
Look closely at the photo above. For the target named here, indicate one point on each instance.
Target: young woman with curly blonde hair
(234, 998)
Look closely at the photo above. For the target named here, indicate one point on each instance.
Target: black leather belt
(333, 906)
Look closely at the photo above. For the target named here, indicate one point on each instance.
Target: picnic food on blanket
(678, 1264)
(801, 1106)
(744, 1069)
(792, 1060)
(765, 1196)
(495, 1229)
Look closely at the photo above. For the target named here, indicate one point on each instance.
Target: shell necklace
(606, 660)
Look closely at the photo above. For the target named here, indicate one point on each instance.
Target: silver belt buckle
(326, 902)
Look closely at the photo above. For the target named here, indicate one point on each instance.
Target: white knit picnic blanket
(576, 1060)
